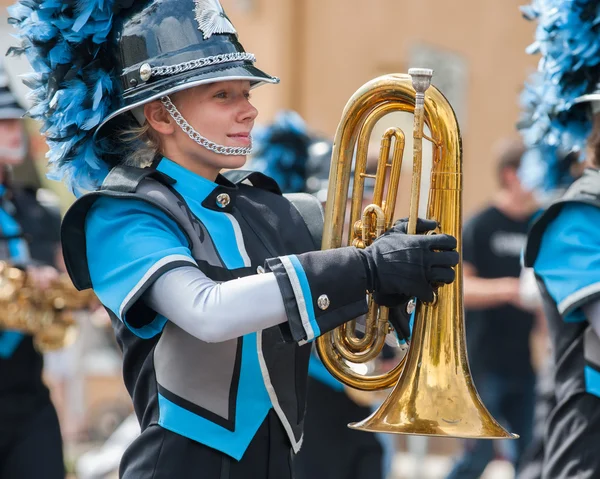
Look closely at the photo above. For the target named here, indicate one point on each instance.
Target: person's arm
(483, 293)
(323, 289)
(216, 312)
(135, 252)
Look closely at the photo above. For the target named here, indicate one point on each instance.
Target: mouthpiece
(421, 78)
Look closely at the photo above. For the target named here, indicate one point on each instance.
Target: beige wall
(323, 50)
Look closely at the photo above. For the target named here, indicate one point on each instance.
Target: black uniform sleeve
(321, 290)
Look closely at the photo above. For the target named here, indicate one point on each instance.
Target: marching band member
(563, 243)
(215, 355)
(29, 238)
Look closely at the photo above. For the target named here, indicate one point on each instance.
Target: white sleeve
(592, 314)
(216, 312)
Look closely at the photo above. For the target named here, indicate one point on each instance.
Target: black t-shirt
(21, 387)
(497, 338)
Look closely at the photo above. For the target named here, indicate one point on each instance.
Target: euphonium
(46, 314)
(433, 390)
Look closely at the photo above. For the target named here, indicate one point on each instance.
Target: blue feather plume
(281, 151)
(568, 39)
(72, 89)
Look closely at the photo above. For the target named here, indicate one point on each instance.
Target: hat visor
(592, 98)
(12, 113)
(595, 96)
(171, 84)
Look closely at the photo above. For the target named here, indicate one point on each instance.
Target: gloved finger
(400, 320)
(440, 242)
(423, 225)
(444, 258)
(425, 295)
(440, 274)
(390, 300)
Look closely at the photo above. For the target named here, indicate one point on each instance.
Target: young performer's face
(12, 145)
(222, 113)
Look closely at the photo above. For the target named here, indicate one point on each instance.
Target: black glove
(423, 226)
(400, 300)
(400, 320)
(412, 265)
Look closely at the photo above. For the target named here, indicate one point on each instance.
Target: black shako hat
(165, 46)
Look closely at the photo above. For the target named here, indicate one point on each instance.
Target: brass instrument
(45, 314)
(433, 390)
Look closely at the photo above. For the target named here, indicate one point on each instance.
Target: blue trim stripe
(306, 293)
(253, 405)
(592, 381)
(577, 316)
(9, 341)
(149, 330)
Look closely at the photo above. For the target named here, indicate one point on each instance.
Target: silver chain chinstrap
(197, 137)
(203, 62)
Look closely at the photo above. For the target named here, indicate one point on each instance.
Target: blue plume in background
(568, 39)
(281, 151)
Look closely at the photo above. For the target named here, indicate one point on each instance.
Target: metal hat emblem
(212, 19)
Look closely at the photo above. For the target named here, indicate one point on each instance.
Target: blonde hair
(142, 145)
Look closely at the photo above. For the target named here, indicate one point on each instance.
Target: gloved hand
(411, 265)
(400, 300)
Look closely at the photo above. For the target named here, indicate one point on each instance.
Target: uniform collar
(218, 195)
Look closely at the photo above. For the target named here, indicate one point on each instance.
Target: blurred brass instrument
(433, 392)
(46, 314)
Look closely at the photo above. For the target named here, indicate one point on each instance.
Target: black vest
(275, 226)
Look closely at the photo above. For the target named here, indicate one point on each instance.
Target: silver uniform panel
(213, 366)
(591, 346)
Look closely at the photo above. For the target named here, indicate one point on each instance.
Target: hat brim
(595, 96)
(12, 113)
(170, 85)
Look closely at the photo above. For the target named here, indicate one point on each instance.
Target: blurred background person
(30, 437)
(498, 326)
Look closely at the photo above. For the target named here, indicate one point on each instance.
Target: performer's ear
(158, 118)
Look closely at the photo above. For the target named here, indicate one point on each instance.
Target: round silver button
(260, 270)
(411, 306)
(145, 72)
(223, 200)
(323, 302)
